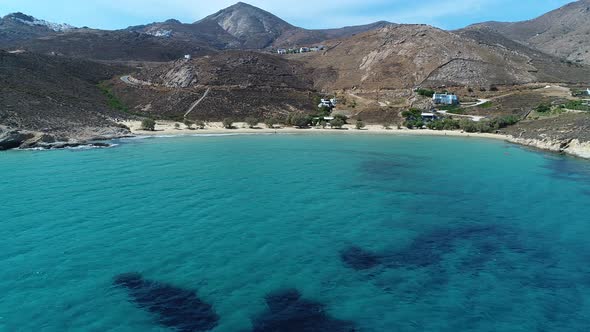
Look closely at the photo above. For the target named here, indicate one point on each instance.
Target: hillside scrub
(112, 100)
(484, 126)
(425, 92)
(578, 105)
(148, 124)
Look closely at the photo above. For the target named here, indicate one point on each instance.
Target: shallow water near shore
(386, 233)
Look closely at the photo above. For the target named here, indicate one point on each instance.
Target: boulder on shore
(12, 139)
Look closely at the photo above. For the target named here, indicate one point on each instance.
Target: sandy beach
(168, 128)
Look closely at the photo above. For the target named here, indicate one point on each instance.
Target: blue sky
(447, 14)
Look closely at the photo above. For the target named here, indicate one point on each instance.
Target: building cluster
(445, 99)
(300, 50)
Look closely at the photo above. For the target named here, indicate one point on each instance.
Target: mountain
(564, 32)
(55, 95)
(18, 26)
(119, 45)
(407, 56)
(243, 26)
(253, 27)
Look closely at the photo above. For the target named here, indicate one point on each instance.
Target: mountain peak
(257, 28)
(28, 20)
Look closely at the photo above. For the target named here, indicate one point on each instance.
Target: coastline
(573, 147)
(166, 128)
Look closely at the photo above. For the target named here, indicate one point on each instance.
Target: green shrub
(425, 92)
(177, 126)
(344, 118)
(252, 122)
(200, 124)
(337, 123)
(300, 120)
(543, 108)
(360, 124)
(577, 105)
(188, 123)
(411, 124)
(148, 124)
(412, 114)
(270, 122)
(228, 123)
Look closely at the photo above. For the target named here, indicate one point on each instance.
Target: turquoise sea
(376, 233)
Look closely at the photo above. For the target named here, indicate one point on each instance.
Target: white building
(445, 99)
(304, 50)
(330, 103)
(282, 51)
(187, 56)
(588, 91)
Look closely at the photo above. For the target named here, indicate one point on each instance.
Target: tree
(413, 114)
(188, 123)
(341, 117)
(543, 108)
(337, 123)
(425, 92)
(200, 124)
(360, 124)
(323, 123)
(228, 123)
(252, 122)
(300, 120)
(148, 124)
(270, 122)
(177, 126)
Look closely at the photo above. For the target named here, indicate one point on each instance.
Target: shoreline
(573, 148)
(166, 128)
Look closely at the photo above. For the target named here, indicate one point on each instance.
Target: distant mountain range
(564, 33)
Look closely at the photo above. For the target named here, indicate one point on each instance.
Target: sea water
(466, 234)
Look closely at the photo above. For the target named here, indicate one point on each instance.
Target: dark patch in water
(428, 249)
(359, 259)
(385, 169)
(174, 307)
(568, 169)
(288, 312)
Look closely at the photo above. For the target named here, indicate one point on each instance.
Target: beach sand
(168, 128)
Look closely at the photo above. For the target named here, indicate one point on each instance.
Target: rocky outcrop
(12, 139)
(25, 139)
(572, 147)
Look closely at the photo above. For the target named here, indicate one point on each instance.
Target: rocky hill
(564, 32)
(112, 46)
(406, 56)
(18, 27)
(55, 95)
(243, 26)
(240, 84)
(240, 26)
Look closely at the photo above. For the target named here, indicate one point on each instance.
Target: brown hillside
(241, 84)
(564, 32)
(406, 56)
(54, 94)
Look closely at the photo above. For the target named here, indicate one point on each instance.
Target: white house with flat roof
(445, 99)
